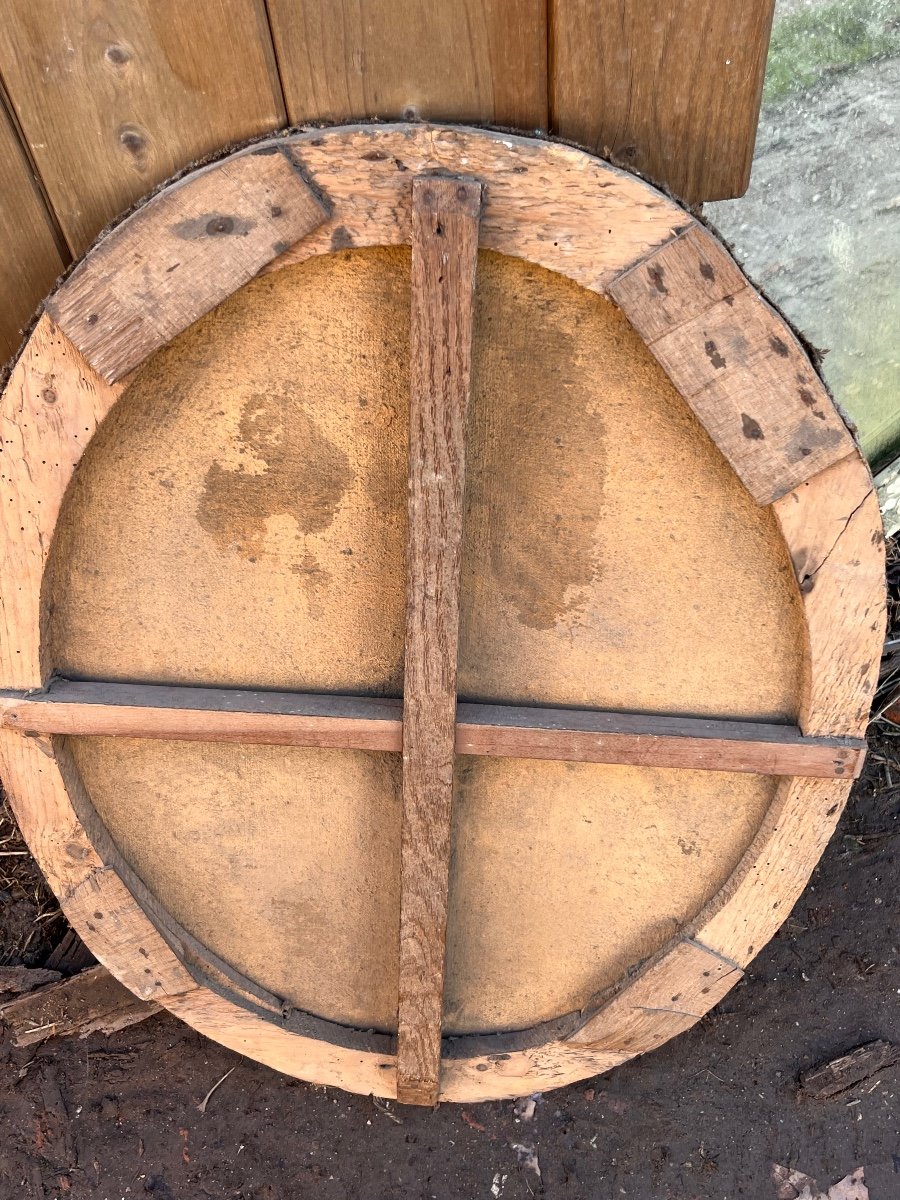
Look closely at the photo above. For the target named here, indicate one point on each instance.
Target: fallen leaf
(528, 1159)
(796, 1185)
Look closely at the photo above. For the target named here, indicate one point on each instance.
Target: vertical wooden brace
(445, 217)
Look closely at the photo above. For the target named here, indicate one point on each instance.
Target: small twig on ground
(383, 1108)
(203, 1103)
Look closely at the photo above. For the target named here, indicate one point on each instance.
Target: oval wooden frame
(288, 199)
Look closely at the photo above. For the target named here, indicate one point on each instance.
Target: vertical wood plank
(114, 97)
(461, 60)
(30, 259)
(669, 87)
(445, 217)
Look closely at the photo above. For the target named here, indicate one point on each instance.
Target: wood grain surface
(31, 256)
(91, 1002)
(603, 220)
(255, 468)
(445, 215)
(665, 998)
(652, 740)
(205, 714)
(180, 255)
(235, 488)
(677, 282)
(670, 89)
(833, 527)
(471, 61)
(115, 97)
(774, 870)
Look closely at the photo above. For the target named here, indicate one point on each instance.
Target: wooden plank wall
(115, 96)
(669, 87)
(473, 61)
(109, 97)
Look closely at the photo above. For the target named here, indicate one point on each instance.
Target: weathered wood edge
(205, 967)
(139, 956)
(602, 218)
(589, 195)
(213, 973)
(91, 1002)
(79, 708)
(832, 529)
(49, 411)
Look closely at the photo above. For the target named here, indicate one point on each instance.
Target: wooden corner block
(669, 996)
(181, 254)
(755, 391)
(731, 356)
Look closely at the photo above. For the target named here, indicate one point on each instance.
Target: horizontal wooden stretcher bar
(375, 723)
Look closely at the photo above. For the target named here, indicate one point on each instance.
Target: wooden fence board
(30, 258)
(671, 89)
(472, 61)
(116, 97)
